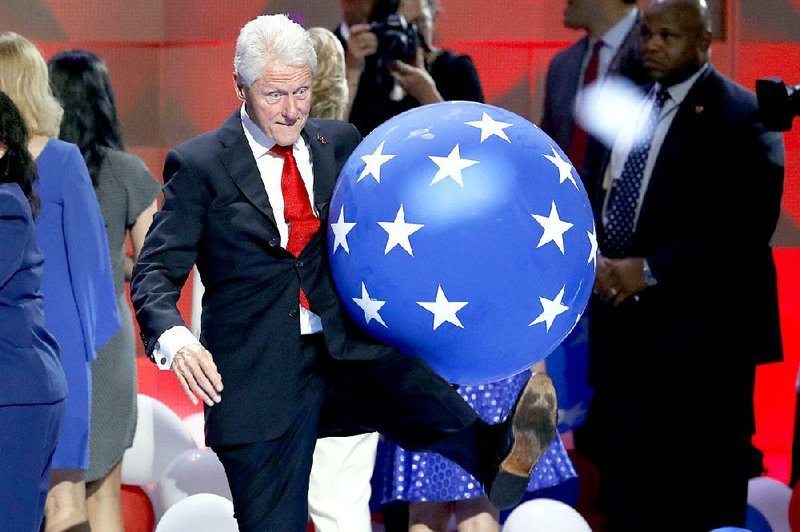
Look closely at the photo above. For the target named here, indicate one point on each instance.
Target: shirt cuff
(170, 342)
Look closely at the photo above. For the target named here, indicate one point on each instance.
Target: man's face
(579, 14)
(418, 12)
(3, 150)
(279, 101)
(674, 42)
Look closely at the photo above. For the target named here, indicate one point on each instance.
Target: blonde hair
(23, 76)
(329, 92)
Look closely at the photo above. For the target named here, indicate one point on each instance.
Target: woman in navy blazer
(32, 384)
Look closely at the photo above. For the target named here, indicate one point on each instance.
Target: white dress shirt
(270, 166)
(612, 40)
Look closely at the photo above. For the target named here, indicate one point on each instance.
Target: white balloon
(192, 472)
(607, 106)
(545, 515)
(203, 512)
(770, 497)
(195, 424)
(160, 437)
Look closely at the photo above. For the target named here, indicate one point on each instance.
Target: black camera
(779, 103)
(398, 39)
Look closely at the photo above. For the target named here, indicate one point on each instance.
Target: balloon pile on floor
(170, 481)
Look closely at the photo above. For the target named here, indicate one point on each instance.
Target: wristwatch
(647, 275)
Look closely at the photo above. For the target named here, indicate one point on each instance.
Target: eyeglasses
(274, 97)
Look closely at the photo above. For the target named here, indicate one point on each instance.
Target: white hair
(272, 39)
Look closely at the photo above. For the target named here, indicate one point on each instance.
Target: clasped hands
(618, 279)
(197, 374)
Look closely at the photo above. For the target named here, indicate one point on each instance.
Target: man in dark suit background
(686, 295)
(610, 48)
(248, 204)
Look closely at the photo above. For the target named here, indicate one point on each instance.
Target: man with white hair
(248, 203)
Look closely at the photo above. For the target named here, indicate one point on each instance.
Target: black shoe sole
(533, 425)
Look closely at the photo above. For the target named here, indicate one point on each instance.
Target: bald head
(676, 37)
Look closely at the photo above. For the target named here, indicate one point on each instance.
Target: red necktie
(580, 138)
(296, 207)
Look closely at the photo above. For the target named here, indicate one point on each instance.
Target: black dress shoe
(533, 426)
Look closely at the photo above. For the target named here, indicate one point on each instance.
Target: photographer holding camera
(391, 65)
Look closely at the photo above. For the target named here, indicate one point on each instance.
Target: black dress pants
(399, 396)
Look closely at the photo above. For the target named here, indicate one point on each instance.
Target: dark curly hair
(17, 165)
(81, 82)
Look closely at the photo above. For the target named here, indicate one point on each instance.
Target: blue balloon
(755, 520)
(461, 233)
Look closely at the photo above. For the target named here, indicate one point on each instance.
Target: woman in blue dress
(439, 490)
(79, 302)
(32, 386)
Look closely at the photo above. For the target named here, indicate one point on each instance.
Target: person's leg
(429, 516)
(269, 479)
(104, 501)
(28, 439)
(65, 509)
(339, 487)
(476, 515)
(404, 399)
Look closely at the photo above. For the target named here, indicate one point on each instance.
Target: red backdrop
(171, 64)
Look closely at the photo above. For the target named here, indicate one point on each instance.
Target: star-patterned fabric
(624, 199)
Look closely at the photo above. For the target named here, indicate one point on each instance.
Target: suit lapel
(237, 158)
(323, 165)
(681, 134)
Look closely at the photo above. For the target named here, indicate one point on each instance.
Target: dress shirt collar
(259, 142)
(678, 92)
(615, 36)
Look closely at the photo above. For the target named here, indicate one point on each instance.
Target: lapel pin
(698, 109)
(321, 139)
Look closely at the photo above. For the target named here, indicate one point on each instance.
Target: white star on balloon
(340, 230)
(593, 251)
(554, 228)
(550, 309)
(564, 167)
(451, 166)
(374, 163)
(443, 310)
(369, 306)
(399, 231)
(490, 126)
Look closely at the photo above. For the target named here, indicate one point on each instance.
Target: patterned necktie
(296, 207)
(580, 138)
(624, 198)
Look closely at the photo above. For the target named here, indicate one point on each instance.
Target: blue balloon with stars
(461, 233)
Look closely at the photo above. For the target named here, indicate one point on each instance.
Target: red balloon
(137, 510)
(794, 508)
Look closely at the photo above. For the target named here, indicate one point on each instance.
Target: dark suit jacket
(216, 214)
(29, 356)
(561, 87)
(705, 226)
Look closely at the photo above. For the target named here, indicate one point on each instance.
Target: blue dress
(80, 307)
(414, 476)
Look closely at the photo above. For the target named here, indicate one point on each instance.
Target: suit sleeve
(169, 250)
